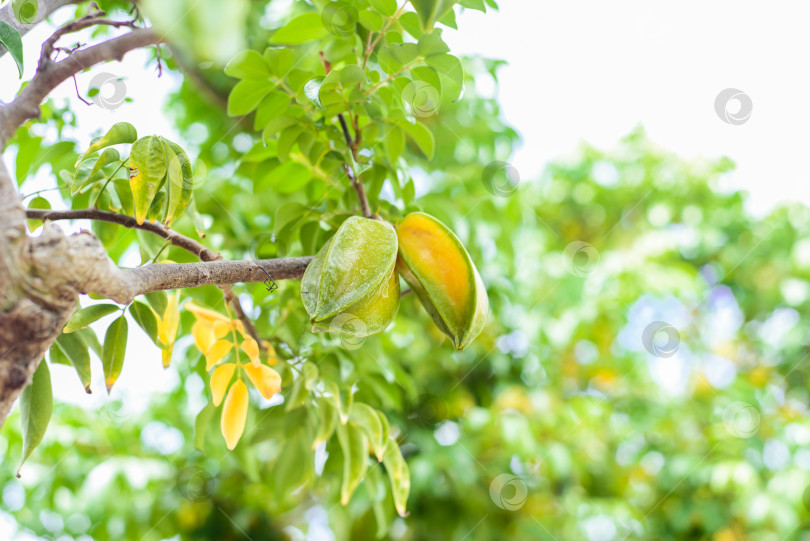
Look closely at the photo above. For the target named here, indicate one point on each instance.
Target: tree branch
(123, 285)
(51, 74)
(46, 7)
(175, 238)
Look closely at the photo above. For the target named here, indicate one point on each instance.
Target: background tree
(641, 375)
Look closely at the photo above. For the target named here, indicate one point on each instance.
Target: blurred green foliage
(569, 418)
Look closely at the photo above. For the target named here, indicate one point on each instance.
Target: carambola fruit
(351, 286)
(439, 270)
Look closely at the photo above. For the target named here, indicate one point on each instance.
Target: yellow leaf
(168, 324)
(272, 359)
(220, 379)
(204, 313)
(251, 348)
(216, 353)
(167, 356)
(203, 335)
(264, 378)
(234, 414)
(221, 328)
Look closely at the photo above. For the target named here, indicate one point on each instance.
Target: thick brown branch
(50, 75)
(175, 238)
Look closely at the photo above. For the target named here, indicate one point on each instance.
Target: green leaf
(90, 167)
(411, 23)
(248, 65)
(115, 347)
(273, 105)
(328, 418)
(158, 300)
(312, 90)
(277, 124)
(354, 444)
(386, 7)
(145, 318)
(399, 475)
(281, 60)
(430, 11)
(288, 177)
(306, 27)
(432, 44)
(420, 135)
(11, 40)
(36, 407)
(286, 214)
(247, 95)
(367, 419)
(84, 317)
(180, 181)
(371, 20)
(25, 10)
(452, 73)
(147, 164)
(37, 203)
(394, 144)
(201, 424)
(120, 133)
(75, 350)
(351, 75)
(478, 5)
(293, 467)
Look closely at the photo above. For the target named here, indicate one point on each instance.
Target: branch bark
(123, 285)
(41, 278)
(175, 238)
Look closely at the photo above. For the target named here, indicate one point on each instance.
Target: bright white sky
(579, 70)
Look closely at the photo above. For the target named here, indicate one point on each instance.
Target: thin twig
(357, 183)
